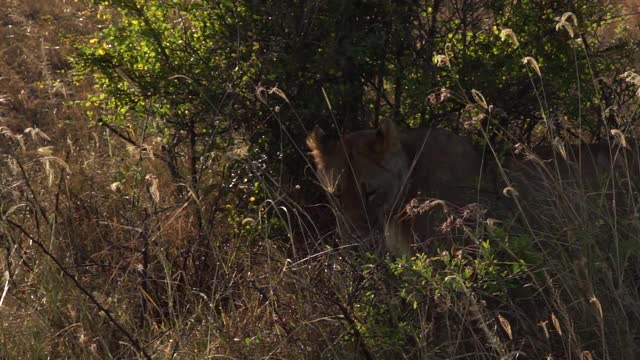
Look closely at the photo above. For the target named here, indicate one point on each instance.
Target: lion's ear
(387, 135)
(317, 144)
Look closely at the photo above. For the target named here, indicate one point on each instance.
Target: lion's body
(375, 174)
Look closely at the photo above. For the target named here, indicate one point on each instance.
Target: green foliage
(390, 306)
(173, 69)
(450, 274)
(189, 71)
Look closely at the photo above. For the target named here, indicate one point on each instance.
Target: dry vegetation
(100, 257)
(105, 255)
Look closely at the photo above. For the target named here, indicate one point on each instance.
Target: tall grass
(105, 256)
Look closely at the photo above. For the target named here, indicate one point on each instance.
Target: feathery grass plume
(479, 98)
(415, 207)
(506, 326)
(556, 323)
(48, 171)
(37, 134)
(45, 151)
(594, 300)
(261, 94)
(47, 158)
(558, 145)
(543, 325)
(510, 192)
(14, 208)
(509, 34)
(72, 151)
(6, 132)
(58, 161)
(563, 23)
(441, 60)
(277, 91)
(632, 77)
(248, 222)
(116, 186)
(527, 154)
(152, 186)
(518, 148)
(620, 138)
(534, 64)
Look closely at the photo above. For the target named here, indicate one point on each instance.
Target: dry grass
(104, 255)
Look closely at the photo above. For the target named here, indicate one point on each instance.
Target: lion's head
(364, 172)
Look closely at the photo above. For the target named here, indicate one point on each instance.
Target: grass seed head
(508, 34)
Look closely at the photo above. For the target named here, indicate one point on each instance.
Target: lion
(372, 174)
(375, 175)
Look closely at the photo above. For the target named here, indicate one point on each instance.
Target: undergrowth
(113, 246)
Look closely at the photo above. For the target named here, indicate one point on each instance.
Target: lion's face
(363, 172)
